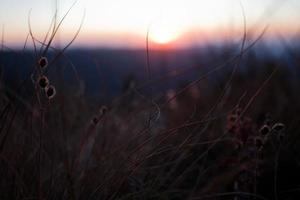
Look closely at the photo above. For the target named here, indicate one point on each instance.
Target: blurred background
(179, 34)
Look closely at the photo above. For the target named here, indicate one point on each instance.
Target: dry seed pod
(95, 120)
(50, 92)
(278, 127)
(43, 62)
(43, 82)
(264, 130)
(102, 110)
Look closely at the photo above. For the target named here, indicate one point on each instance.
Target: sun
(164, 31)
(163, 35)
(168, 25)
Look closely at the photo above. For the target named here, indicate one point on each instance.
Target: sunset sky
(124, 23)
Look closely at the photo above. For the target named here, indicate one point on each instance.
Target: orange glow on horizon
(174, 23)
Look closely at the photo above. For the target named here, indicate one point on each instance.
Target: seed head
(102, 110)
(95, 120)
(278, 127)
(264, 130)
(50, 91)
(43, 82)
(43, 62)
